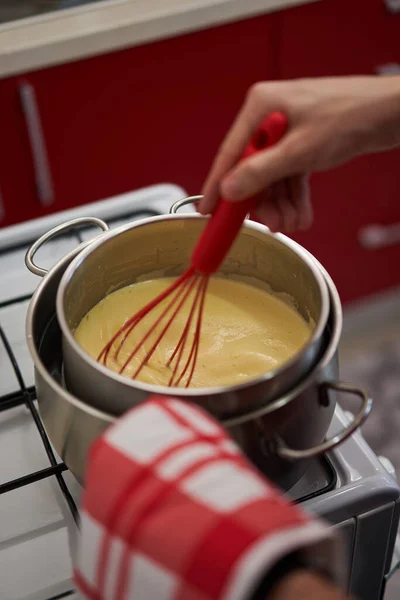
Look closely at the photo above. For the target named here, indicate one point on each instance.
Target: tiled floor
(370, 357)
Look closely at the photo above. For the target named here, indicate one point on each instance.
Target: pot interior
(162, 247)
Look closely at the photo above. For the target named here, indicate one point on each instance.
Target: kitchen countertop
(75, 33)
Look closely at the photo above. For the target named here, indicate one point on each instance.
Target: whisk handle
(227, 219)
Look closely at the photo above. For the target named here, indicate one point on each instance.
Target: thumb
(253, 175)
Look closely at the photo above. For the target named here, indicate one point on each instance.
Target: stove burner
(319, 478)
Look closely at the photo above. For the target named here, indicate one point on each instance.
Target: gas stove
(351, 487)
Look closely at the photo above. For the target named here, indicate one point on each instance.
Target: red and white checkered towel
(172, 510)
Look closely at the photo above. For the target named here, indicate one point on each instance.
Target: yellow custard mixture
(245, 332)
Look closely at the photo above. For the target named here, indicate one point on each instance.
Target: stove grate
(27, 396)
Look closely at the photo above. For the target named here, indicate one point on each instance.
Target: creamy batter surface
(245, 332)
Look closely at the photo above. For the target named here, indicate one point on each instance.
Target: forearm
(294, 579)
(380, 112)
(305, 585)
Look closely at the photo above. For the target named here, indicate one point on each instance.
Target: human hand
(331, 121)
(173, 509)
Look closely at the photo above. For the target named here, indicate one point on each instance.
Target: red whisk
(209, 252)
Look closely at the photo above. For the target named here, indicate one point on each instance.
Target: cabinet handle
(388, 69)
(393, 6)
(2, 210)
(372, 237)
(37, 142)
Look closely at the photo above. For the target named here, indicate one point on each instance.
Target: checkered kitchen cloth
(172, 510)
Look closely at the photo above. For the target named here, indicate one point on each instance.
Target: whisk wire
(135, 319)
(201, 292)
(183, 339)
(186, 289)
(155, 324)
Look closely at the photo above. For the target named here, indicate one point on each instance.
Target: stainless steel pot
(162, 246)
(279, 437)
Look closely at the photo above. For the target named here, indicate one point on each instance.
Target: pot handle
(283, 451)
(54, 232)
(186, 201)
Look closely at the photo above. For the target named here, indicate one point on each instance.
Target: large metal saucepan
(279, 436)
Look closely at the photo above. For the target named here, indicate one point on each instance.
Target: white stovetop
(106, 25)
(35, 520)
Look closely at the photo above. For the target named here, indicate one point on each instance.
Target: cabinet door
(148, 114)
(342, 38)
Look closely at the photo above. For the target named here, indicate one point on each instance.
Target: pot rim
(187, 392)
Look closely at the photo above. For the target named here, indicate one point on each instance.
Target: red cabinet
(131, 118)
(102, 126)
(17, 177)
(344, 37)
